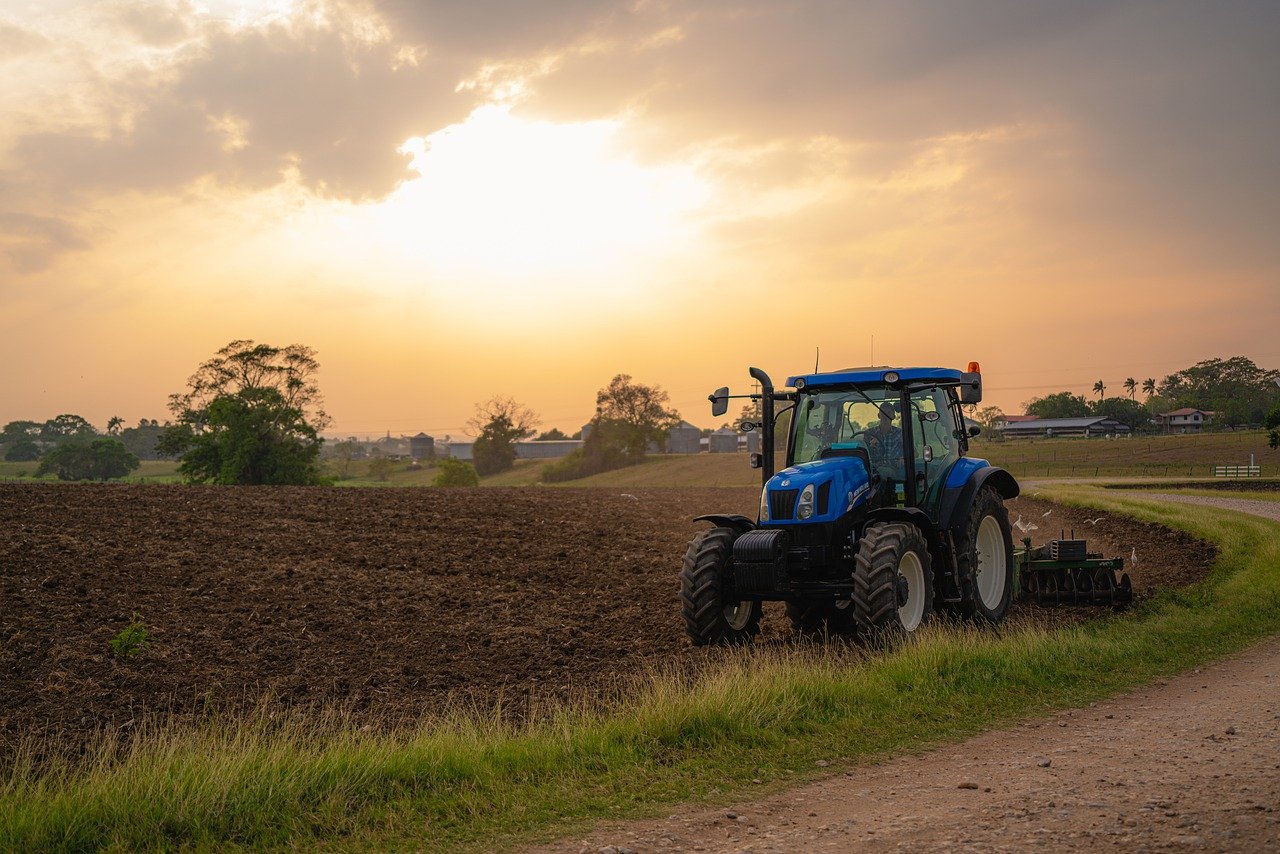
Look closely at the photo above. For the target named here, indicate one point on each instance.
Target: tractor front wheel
(892, 580)
(712, 613)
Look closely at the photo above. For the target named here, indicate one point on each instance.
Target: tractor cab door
(933, 431)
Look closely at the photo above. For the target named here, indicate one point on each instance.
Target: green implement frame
(1064, 572)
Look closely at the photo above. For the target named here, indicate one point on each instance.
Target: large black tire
(984, 559)
(818, 618)
(892, 581)
(712, 614)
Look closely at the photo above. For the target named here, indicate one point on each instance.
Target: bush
(602, 451)
(456, 473)
(1273, 418)
(22, 451)
(381, 468)
(102, 459)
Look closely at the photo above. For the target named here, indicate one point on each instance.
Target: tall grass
(470, 780)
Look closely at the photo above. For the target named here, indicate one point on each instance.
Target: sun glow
(505, 198)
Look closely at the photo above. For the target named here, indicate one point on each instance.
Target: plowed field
(386, 601)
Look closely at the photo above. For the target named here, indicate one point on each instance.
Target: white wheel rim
(738, 614)
(992, 563)
(912, 611)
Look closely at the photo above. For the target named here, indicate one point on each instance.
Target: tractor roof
(874, 376)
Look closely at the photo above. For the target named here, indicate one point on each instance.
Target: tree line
(1243, 394)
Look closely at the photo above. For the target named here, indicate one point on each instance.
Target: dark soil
(389, 602)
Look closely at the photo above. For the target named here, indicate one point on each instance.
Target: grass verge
(467, 781)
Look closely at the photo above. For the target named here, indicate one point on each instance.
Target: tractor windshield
(867, 418)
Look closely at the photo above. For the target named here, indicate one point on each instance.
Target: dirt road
(1188, 763)
(1193, 762)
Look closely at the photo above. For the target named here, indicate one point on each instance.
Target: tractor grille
(782, 503)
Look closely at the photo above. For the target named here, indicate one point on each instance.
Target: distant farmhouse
(1185, 420)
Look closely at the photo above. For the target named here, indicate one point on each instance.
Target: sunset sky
(454, 200)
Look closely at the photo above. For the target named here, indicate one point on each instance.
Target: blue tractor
(878, 521)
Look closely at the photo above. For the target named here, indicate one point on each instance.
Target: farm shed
(545, 449)
(723, 441)
(422, 447)
(683, 439)
(1057, 427)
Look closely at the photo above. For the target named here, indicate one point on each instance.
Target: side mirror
(719, 401)
(975, 430)
(757, 461)
(971, 387)
(746, 426)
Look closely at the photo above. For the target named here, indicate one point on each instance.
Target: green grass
(472, 782)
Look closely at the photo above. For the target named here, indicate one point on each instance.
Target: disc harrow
(1065, 572)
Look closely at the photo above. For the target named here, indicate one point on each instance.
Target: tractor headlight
(764, 505)
(804, 507)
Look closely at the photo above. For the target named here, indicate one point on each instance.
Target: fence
(1237, 471)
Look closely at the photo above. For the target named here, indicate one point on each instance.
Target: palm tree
(113, 425)
(1131, 386)
(1099, 389)
(1149, 387)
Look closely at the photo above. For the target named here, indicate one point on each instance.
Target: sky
(451, 201)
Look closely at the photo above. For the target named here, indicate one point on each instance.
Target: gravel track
(1253, 506)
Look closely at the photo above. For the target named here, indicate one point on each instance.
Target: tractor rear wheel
(984, 558)
(892, 580)
(712, 614)
(815, 618)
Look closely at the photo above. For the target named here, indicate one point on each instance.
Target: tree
(987, 416)
(629, 415)
(1125, 410)
(1131, 386)
(345, 452)
(113, 425)
(1061, 404)
(66, 427)
(17, 430)
(1149, 387)
(1273, 418)
(633, 414)
(102, 459)
(22, 451)
(499, 422)
(251, 415)
(1099, 389)
(554, 434)
(1235, 387)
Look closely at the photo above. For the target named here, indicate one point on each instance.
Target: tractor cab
(887, 438)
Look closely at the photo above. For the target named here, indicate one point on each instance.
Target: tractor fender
(740, 524)
(953, 510)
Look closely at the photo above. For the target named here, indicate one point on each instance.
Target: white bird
(1033, 527)
(1133, 556)
(1019, 524)
(1044, 515)
(1094, 521)
(625, 495)
(1034, 494)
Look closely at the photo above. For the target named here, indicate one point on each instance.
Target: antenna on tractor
(816, 351)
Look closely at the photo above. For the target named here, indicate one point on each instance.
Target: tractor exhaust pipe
(766, 424)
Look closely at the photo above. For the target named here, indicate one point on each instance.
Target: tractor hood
(832, 487)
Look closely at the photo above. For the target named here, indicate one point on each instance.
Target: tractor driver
(884, 441)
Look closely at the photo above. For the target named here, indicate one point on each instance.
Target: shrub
(381, 468)
(456, 473)
(131, 640)
(101, 459)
